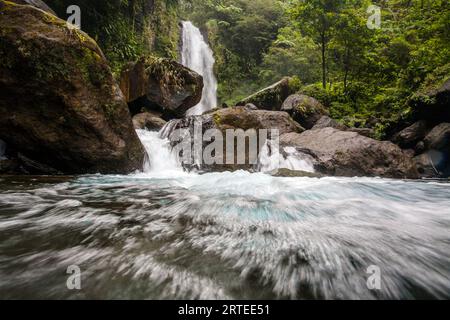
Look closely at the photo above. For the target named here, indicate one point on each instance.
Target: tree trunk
(324, 66)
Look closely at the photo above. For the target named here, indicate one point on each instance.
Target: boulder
(35, 3)
(243, 118)
(271, 98)
(433, 164)
(231, 118)
(161, 84)
(438, 138)
(148, 121)
(59, 103)
(327, 122)
(410, 136)
(304, 109)
(342, 153)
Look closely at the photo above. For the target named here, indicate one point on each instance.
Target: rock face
(409, 137)
(342, 153)
(35, 3)
(59, 103)
(161, 84)
(231, 118)
(148, 121)
(271, 98)
(304, 109)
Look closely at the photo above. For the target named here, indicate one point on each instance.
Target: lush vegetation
(358, 72)
(127, 29)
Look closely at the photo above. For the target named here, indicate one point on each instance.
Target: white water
(198, 56)
(271, 159)
(163, 161)
(167, 234)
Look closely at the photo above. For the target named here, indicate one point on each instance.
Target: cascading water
(271, 158)
(198, 56)
(161, 158)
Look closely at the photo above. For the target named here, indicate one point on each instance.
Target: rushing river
(170, 234)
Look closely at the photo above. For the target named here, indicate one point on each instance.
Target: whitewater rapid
(166, 233)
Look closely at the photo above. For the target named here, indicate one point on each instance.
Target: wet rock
(148, 121)
(304, 109)
(161, 84)
(410, 136)
(59, 103)
(287, 173)
(343, 153)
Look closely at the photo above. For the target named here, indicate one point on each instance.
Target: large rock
(35, 3)
(148, 121)
(161, 84)
(271, 98)
(410, 136)
(231, 118)
(59, 103)
(438, 138)
(304, 109)
(243, 118)
(343, 153)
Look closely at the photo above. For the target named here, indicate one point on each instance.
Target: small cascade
(271, 159)
(198, 56)
(161, 158)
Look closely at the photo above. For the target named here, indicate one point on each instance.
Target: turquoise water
(223, 236)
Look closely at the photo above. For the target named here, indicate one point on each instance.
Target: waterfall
(161, 158)
(198, 56)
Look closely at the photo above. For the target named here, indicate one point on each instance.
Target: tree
(317, 19)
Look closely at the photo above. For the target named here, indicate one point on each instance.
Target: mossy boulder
(304, 109)
(59, 103)
(272, 98)
(161, 84)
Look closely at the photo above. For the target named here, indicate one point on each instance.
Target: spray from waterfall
(198, 56)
